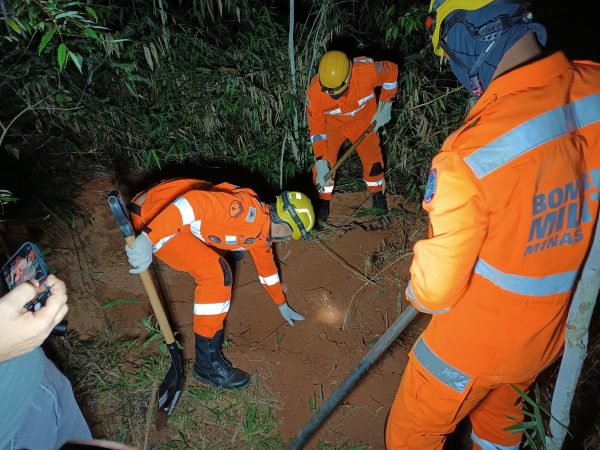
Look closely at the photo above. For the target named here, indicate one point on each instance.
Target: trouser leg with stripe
(212, 275)
(371, 158)
(434, 397)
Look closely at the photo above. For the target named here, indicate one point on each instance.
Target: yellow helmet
(334, 72)
(439, 10)
(295, 209)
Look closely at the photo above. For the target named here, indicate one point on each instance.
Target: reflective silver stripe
(533, 133)
(270, 280)
(308, 214)
(417, 303)
(333, 112)
(440, 369)
(156, 247)
(328, 189)
(211, 309)
(390, 86)
(374, 183)
(353, 113)
(364, 100)
(364, 59)
(318, 137)
(559, 283)
(195, 228)
(487, 445)
(185, 209)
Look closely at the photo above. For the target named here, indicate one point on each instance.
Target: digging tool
(346, 155)
(170, 389)
(351, 380)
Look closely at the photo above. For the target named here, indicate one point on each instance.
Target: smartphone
(25, 265)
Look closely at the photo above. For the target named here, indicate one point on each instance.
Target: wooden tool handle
(346, 155)
(155, 302)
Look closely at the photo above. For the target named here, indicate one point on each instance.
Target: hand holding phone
(22, 330)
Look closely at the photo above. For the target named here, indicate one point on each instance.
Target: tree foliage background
(142, 84)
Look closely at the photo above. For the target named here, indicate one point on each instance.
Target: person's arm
(316, 120)
(267, 273)
(269, 278)
(443, 264)
(22, 331)
(387, 77)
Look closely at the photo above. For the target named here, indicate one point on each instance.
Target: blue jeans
(53, 417)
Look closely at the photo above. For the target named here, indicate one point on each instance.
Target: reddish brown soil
(307, 360)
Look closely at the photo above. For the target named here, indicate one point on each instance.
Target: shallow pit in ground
(301, 365)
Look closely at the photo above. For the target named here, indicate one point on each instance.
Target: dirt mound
(327, 280)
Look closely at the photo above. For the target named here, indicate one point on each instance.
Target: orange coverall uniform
(332, 121)
(192, 224)
(512, 199)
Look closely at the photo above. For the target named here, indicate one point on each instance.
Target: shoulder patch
(431, 186)
(251, 216)
(249, 241)
(378, 67)
(236, 209)
(214, 238)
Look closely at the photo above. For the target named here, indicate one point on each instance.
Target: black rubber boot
(379, 201)
(323, 211)
(212, 368)
(238, 255)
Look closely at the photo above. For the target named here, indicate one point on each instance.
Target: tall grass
(211, 83)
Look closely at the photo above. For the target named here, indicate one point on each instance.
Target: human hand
(383, 114)
(140, 255)
(322, 166)
(21, 330)
(289, 315)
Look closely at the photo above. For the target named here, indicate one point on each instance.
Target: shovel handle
(348, 153)
(119, 212)
(157, 306)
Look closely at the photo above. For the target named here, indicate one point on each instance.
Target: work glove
(289, 315)
(322, 166)
(140, 255)
(383, 114)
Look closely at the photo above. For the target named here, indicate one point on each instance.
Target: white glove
(322, 166)
(289, 315)
(140, 255)
(383, 114)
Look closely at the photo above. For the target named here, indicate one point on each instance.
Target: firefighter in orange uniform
(341, 105)
(512, 200)
(190, 225)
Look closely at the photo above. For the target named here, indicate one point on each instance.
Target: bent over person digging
(190, 225)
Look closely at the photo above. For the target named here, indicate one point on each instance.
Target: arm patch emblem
(431, 186)
(236, 209)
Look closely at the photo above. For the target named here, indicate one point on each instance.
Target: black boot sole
(203, 380)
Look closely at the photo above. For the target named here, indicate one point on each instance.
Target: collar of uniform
(530, 75)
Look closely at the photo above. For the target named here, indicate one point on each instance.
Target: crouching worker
(190, 225)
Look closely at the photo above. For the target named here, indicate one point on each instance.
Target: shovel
(346, 155)
(170, 389)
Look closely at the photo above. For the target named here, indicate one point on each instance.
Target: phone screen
(25, 265)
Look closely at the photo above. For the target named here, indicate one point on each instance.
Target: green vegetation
(116, 380)
(141, 85)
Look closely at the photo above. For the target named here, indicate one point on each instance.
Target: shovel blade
(170, 389)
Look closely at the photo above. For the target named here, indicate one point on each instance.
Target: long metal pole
(351, 380)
